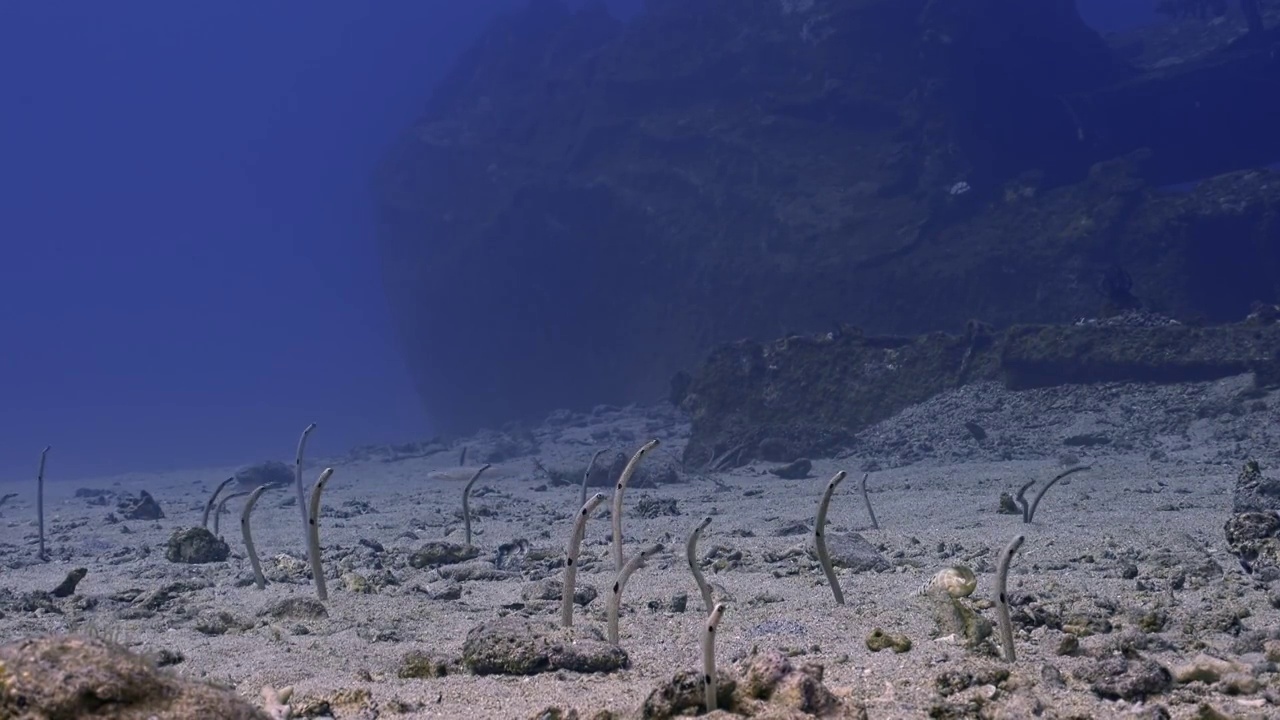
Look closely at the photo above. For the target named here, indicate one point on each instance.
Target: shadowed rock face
(809, 396)
(587, 207)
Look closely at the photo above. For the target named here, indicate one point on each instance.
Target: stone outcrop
(67, 676)
(588, 206)
(805, 396)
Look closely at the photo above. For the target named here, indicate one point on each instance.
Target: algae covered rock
(852, 551)
(417, 664)
(439, 552)
(68, 676)
(1254, 491)
(766, 684)
(1254, 538)
(880, 640)
(808, 396)
(195, 546)
(143, 507)
(305, 608)
(797, 164)
(512, 646)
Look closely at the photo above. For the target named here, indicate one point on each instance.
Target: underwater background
(923, 356)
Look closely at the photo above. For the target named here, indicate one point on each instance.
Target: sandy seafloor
(1155, 502)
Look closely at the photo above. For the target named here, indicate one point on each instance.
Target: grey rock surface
(68, 676)
(513, 646)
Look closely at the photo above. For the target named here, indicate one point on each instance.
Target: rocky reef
(588, 206)
(807, 396)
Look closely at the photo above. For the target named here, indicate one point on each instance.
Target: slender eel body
(866, 499)
(691, 554)
(1002, 599)
(615, 594)
(208, 506)
(571, 562)
(1030, 513)
(297, 478)
(709, 657)
(820, 539)
(623, 479)
(222, 505)
(313, 535)
(587, 476)
(258, 578)
(466, 502)
(44, 454)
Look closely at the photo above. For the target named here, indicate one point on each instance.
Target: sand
(1139, 536)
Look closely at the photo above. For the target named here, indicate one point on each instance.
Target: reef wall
(588, 206)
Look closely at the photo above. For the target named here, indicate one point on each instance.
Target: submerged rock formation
(68, 676)
(805, 396)
(588, 206)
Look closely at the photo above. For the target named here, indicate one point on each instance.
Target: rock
(880, 640)
(766, 684)
(1254, 492)
(650, 507)
(558, 713)
(1086, 440)
(143, 507)
(271, 473)
(354, 582)
(953, 616)
(439, 552)
(793, 529)
(379, 632)
(699, 138)
(161, 598)
(1118, 678)
(951, 682)
(512, 646)
(195, 546)
(1182, 556)
(679, 387)
(307, 608)
(67, 676)
(420, 665)
(1206, 669)
(443, 590)
(552, 590)
(771, 677)
(782, 393)
(511, 555)
(28, 602)
(1272, 650)
(475, 570)
(219, 623)
(852, 551)
(1254, 538)
(68, 585)
(1046, 356)
(683, 695)
(92, 493)
(975, 430)
(287, 568)
(1008, 506)
(795, 470)
(546, 589)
